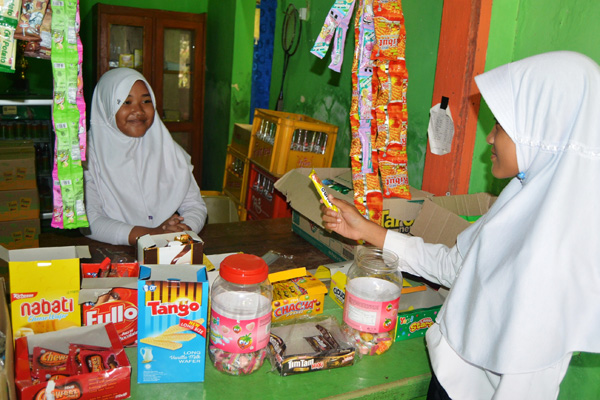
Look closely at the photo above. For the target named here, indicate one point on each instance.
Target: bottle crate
(235, 180)
(283, 141)
(263, 201)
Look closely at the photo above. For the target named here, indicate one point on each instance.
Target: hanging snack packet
(43, 48)
(394, 177)
(9, 16)
(31, 19)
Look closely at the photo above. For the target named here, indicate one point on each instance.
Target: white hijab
(136, 178)
(529, 289)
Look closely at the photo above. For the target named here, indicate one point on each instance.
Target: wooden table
(252, 237)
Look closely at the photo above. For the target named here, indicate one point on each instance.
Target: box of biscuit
(80, 363)
(105, 300)
(173, 312)
(44, 288)
(296, 292)
(170, 248)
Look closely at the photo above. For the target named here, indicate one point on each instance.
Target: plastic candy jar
(373, 292)
(240, 321)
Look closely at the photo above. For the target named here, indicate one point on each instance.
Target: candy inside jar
(371, 300)
(240, 320)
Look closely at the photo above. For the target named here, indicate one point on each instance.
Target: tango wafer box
(296, 292)
(44, 288)
(173, 308)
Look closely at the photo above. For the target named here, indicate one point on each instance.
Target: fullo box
(172, 320)
(17, 165)
(170, 248)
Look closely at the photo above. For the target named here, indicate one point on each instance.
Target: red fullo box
(109, 381)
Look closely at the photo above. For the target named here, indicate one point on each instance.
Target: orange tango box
(44, 288)
(296, 292)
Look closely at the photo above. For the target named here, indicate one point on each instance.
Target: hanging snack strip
(68, 117)
(9, 17)
(363, 152)
(389, 94)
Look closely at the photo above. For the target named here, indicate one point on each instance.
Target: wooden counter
(252, 237)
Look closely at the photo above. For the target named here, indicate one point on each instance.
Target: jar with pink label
(240, 322)
(371, 302)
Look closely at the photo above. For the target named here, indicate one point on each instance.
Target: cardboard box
(21, 234)
(7, 374)
(167, 249)
(44, 288)
(19, 204)
(114, 383)
(111, 300)
(398, 214)
(240, 139)
(440, 221)
(17, 165)
(417, 312)
(172, 320)
(296, 293)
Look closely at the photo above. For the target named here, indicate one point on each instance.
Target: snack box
(111, 376)
(111, 300)
(172, 320)
(296, 292)
(108, 269)
(44, 288)
(170, 248)
(417, 312)
(310, 344)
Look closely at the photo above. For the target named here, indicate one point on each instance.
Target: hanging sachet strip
(336, 23)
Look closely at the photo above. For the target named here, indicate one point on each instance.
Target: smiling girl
(138, 180)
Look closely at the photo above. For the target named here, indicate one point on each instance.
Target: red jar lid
(244, 269)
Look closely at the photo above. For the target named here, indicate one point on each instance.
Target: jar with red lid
(240, 325)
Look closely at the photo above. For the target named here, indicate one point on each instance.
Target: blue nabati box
(173, 309)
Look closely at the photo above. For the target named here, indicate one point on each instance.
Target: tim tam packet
(173, 308)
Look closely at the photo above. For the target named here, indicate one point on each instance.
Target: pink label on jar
(239, 336)
(370, 316)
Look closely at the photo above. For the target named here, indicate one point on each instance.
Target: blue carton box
(173, 309)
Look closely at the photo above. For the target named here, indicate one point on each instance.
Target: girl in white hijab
(138, 180)
(525, 277)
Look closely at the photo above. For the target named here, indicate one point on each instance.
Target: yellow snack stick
(319, 185)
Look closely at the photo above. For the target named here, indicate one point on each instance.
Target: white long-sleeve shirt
(461, 380)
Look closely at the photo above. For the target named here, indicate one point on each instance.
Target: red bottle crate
(262, 200)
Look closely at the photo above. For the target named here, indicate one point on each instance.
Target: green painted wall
(311, 88)
(521, 28)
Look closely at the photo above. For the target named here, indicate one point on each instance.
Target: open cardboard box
(167, 249)
(304, 200)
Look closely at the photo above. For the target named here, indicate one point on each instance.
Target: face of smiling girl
(136, 114)
(504, 153)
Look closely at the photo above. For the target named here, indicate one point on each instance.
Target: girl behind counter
(524, 279)
(138, 180)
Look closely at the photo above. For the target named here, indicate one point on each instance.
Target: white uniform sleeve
(435, 262)
(193, 208)
(102, 228)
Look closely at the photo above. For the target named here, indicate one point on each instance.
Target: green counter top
(403, 372)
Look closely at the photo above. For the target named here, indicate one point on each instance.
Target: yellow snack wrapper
(319, 185)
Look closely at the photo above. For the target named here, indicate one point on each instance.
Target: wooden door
(179, 80)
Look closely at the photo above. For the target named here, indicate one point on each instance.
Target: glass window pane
(177, 75)
(126, 44)
(184, 139)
